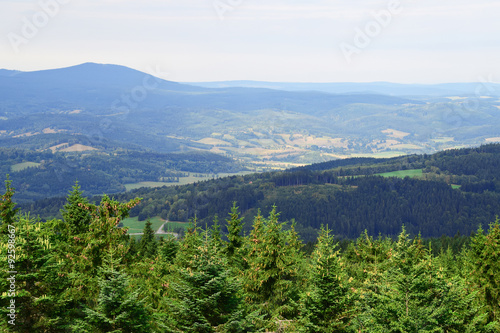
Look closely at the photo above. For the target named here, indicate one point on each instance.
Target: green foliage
(84, 274)
(329, 301)
(148, 245)
(118, 309)
(273, 279)
(235, 238)
(7, 207)
(206, 295)
(31, 272)
(75, 214)
(415, 296)
(484, 257)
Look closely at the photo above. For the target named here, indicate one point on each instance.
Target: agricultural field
(22, 166)
(133, 186)
(192, 178)
(171, 226)
(415, 173)
(136, 226)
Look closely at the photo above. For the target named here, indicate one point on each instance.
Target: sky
(405, 41)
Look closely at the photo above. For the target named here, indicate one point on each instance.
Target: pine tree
(274, 276)
(168, 248)
(148, 244)
(34, 271)
(328, 303)
(75, 214)
(235, 239)
(415, 296)
(215, 232)
(80, 256)
(485, 261)
(7, 207)
(118, 309)
(206, 295)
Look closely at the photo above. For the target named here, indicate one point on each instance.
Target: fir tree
(118, 309)
(7, 207)
(274, 278)
(415, 296)
(75, 214)
(206, 295)
(168, 248)
(485, 261)
(215, 232)
(235, 239)
(328, 303)
(148, 244)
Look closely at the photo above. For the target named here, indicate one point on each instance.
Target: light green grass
(455, 186)
(173, 225)
(136, 226)
(383, 154)
(193, 178)
(133, 186)
(414, 173)
(22, 166)
(443, 139)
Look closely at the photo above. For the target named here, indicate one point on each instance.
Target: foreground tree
(205, 297)
(148, 245)
(118, 308)
(274, 277)
(415, 296)
(484, 257)
(235, 239)
(329, 301)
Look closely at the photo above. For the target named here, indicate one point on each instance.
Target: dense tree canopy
(84, 274)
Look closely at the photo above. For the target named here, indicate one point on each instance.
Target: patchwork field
(171, 226)
(415, 173)
(22, 166)
(136, 226)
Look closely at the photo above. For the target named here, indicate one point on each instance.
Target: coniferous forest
(83, 273)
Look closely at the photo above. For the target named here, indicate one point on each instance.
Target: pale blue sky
(426, 41)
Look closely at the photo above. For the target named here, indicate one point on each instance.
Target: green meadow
(22, 166)
(414, 173)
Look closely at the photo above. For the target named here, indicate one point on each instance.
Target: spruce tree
(206, 294)
(484, 257)
(118, 308)
(8, 208)
(415, 296)
(75, 214)
(274, 276)
(148, 244)
(328, 302)
(235, 239)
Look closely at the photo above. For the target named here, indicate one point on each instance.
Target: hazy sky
(408, 41)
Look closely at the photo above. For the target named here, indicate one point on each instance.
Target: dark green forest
(458, 191)
(82, 273)
(103, 171)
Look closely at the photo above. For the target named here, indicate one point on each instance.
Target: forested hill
(442, 194)
(42, 174)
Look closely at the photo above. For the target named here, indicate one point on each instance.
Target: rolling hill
(270, 128)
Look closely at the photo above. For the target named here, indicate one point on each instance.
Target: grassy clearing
(383, 154)
(22, 166)
(455, 186)
(133, 186)
(193, 178)
(136, 226)
(173, 225)
(414, 173)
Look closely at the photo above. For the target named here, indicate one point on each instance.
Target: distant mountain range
(268, 124)
(384, 88)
